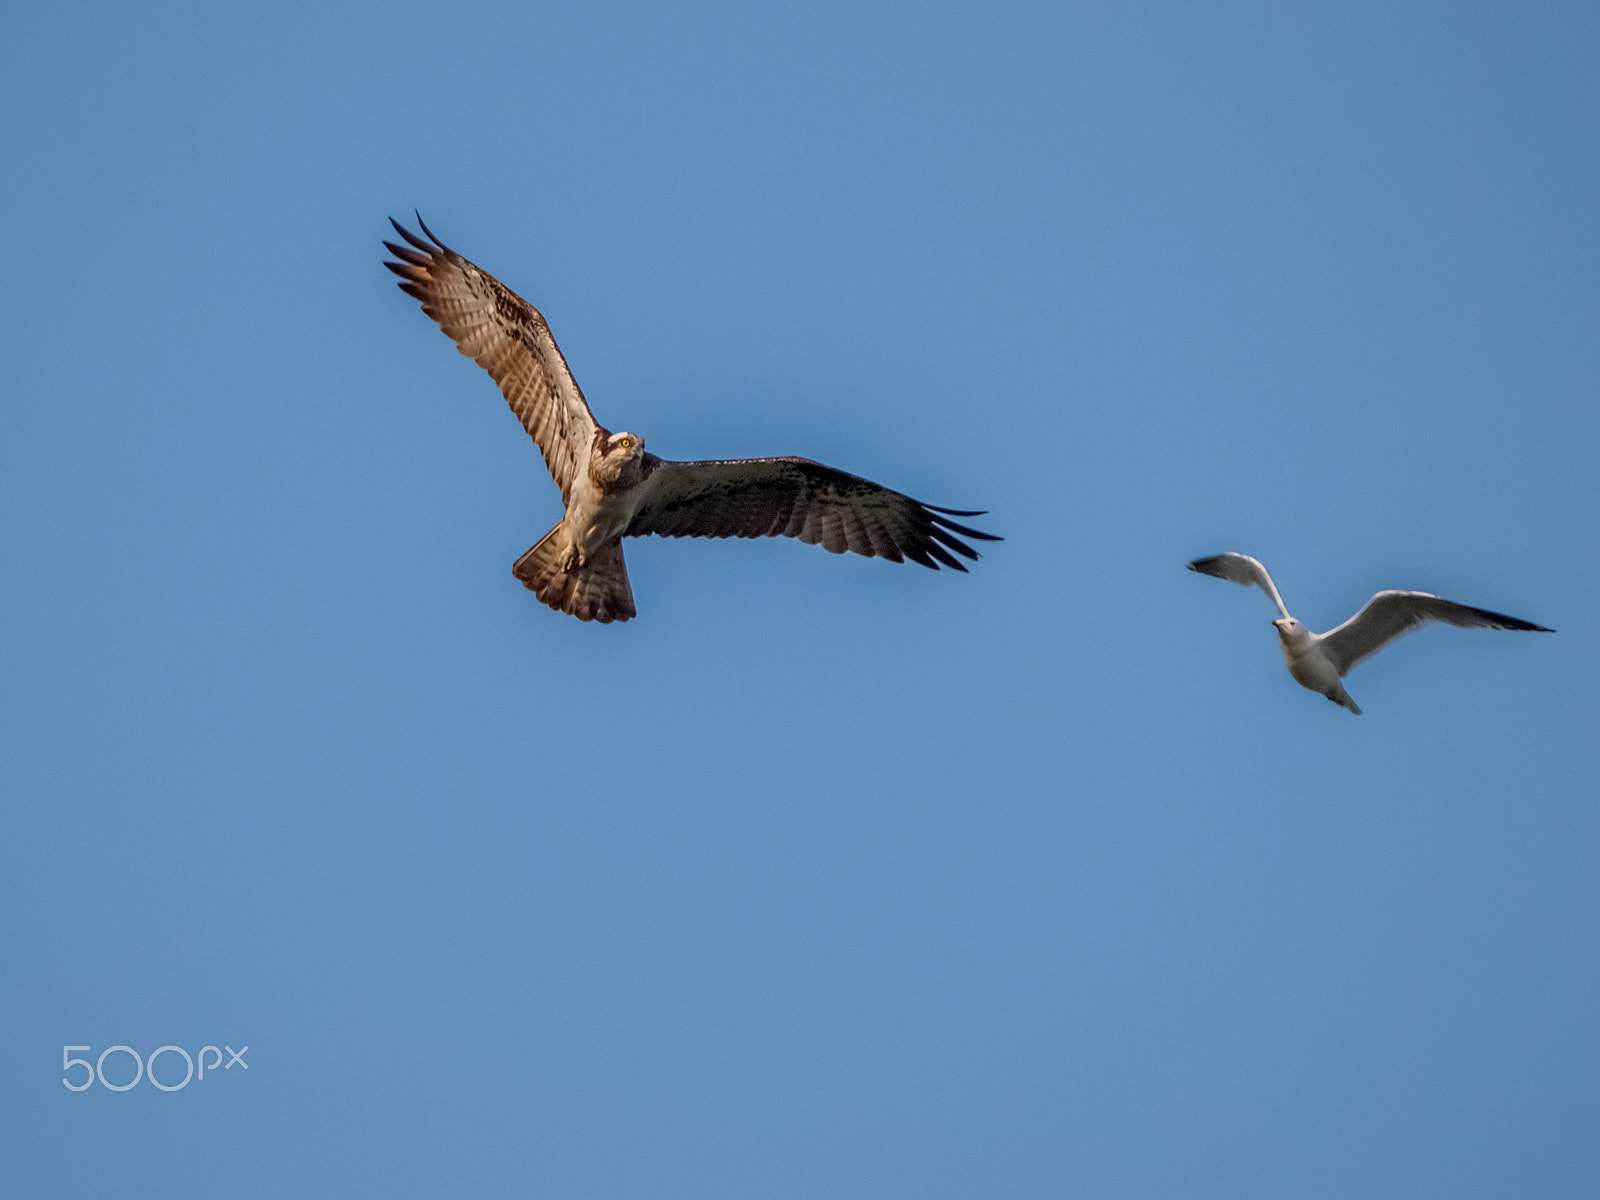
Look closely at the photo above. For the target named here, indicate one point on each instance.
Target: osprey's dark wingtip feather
(955, 543)
(939, 552)
(428, 232)
(406, 254)
(429, 247)
(410, 237)
(963, 529)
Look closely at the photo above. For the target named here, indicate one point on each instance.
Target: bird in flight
(612, 489)
(1320, 661)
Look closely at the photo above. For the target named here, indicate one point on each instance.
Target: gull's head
(1288, 628)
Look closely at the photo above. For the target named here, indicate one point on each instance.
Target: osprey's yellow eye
(625, 443)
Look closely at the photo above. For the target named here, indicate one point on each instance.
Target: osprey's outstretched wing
(1242, 569)
(795, 497)
(1390, 615)
(510, 340)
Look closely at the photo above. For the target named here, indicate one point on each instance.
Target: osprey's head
(618, 460)
(624, 446)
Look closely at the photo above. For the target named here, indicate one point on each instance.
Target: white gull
(1320, 661)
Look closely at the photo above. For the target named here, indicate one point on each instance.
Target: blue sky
(824, 876)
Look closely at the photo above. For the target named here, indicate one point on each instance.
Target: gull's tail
(1340, 696)
(596, 591)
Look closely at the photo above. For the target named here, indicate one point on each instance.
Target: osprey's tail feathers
(596, 591)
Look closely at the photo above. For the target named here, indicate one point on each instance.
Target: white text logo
(145, 1067)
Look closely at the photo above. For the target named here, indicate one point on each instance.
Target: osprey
(1320, 661)
(612, 489)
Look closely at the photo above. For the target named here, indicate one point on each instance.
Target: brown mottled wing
(509, 339)
(795, 497)
(1390, 615)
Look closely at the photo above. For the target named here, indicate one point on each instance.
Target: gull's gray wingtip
(1497, 620)
(1208, 565)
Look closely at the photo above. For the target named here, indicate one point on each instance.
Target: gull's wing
(1242, 569)
(1390, 615)
(795, 497)
(510, 340)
